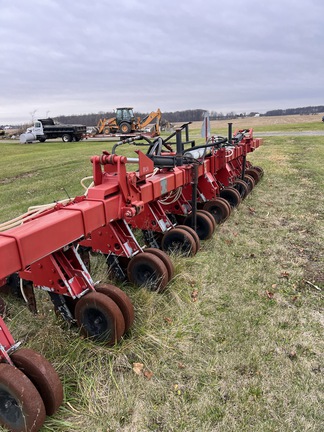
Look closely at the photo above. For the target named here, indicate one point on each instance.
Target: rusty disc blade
(121, 299)
(250, 182)
(21, 406)
(100, 318)
(207, 213)
(179, 241)
(253, 173)
(193, 234)
(231, 195)
(42, 375)
(164, 257)
(219, 209)
(226, 202)
(146, 269)
(259, 169)
(242, 187)
(205, 227)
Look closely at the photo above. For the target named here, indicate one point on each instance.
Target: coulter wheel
(146, 269)
(42, 374)
(164, 257)
(254, 174)
(205, 226)
(242, 187)
(259, 169)
(226, 202)
(21, 406)
(231, 195)
(193, 233)
(219, 209)
(122, 301)
(250, 182)
(179, 241)
(211, 217)
(100, 318)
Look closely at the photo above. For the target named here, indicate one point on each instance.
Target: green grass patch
(246, 356)
(290, 127)
(221, 129)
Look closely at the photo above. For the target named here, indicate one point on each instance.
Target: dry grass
(264, 122)
(247, 355)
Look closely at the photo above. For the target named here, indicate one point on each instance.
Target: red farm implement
(176, 197)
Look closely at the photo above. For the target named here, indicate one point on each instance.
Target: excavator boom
(150, 117)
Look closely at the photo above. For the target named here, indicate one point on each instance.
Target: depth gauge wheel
(122, 301)
(226, 203)
(179, 241)
(259, 169)
(164, 257)
(21, 406)
(100, 318)
(253, 173)
(203, 211)
(205, 227)
(42, 374)
(193, 233)
(242, 187)
(231, 195)
(146, 269)
(250, 182)
(219, 209)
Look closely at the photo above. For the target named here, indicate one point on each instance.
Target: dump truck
(126, 123)
(44, 129)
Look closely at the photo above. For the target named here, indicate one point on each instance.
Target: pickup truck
(44, 129)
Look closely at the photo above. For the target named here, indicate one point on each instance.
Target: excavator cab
(125, 119)
(124, 114)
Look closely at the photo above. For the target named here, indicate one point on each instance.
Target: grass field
(244, 353)
(293, 123)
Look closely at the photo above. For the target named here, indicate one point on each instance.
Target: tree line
(187, 115)
(293, 111)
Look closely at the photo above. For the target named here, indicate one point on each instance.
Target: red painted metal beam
(116, 195)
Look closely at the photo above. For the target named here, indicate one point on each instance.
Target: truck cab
(37, 129)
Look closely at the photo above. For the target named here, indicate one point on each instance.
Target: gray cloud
(76, 57)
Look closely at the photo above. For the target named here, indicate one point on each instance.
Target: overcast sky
(72, 57)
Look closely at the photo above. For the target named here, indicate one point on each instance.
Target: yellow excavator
(125, 122)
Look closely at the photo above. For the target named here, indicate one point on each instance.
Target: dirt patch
(20, 176)
(312, 261)
(314, 273)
